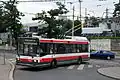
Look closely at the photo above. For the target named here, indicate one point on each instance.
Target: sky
(94, 8)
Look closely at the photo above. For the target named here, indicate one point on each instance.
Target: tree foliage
(78, 28)
(92, 21)
(56, 27)
(10, 18)
(116, 12)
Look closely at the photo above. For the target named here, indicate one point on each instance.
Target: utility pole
(106, 13)
(73, 22)
(80, 9)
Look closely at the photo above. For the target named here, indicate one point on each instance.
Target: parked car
(102, 54)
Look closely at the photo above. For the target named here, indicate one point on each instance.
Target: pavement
(6, 47)
(112, 72)
(6, 70)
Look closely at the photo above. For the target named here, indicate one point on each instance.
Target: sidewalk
(5, 70)
(7, 48)
(112, 72)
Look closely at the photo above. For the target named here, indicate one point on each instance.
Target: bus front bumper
(31, 64)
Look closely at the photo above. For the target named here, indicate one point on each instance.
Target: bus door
(47, 50)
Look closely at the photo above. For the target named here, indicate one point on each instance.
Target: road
(85, 71)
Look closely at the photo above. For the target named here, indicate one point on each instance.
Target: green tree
(78, 28)
(92, 21)
(3, 19)
(55, 27)
(12, 18)
(116, 12)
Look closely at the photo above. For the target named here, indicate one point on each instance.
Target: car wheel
(108, 57)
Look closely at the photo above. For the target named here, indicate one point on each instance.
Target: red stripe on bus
(25, 60)
(67, 58)
(46, 41)
(76, 42)
(62, 41)
(63, 58)
(46, 60)
(59, 41)
(84, 56)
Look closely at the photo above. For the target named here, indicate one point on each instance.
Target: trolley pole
(73, 23)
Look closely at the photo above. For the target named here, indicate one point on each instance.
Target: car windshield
(105, 52)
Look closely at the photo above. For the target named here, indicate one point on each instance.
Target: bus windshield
(32, 50)
(28, 46)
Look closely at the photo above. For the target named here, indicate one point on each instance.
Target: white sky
(91, 5)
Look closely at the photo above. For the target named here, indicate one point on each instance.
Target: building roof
(94, 30)
(91, 30)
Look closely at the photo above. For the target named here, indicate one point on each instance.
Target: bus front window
(30, 50)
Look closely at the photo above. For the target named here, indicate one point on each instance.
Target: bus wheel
(79, 61)
(53, 64)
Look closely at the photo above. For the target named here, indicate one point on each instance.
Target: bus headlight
(35, 61)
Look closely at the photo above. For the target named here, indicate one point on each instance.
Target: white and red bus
(37, 52)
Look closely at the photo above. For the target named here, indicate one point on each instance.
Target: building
(33, 27)
(96, 31)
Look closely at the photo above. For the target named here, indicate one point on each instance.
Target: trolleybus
(36, 52)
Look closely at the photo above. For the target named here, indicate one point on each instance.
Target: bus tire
(53, 64)
(79, 61)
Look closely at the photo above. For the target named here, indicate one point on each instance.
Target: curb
(107, 75)
(11, 70)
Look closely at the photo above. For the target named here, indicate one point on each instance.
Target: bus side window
(77, 48)
(61, 49)
(80, 47)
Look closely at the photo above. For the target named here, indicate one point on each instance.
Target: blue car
(102, 54)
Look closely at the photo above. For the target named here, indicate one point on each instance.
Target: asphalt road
(85, 71)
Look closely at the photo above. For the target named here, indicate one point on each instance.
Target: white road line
(90, 66)
(81, 67)
(61, 67)
(10, 59)
(71, 67)
(13, 61)
(97, 66)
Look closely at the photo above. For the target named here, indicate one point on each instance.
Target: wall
(105, 44)
(101, 44)
(115, 44)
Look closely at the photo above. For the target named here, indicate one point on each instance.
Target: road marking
(81, 67)
(90, 66)
(71, 67)
(61, 67)
(97, 66)
(12, 60)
